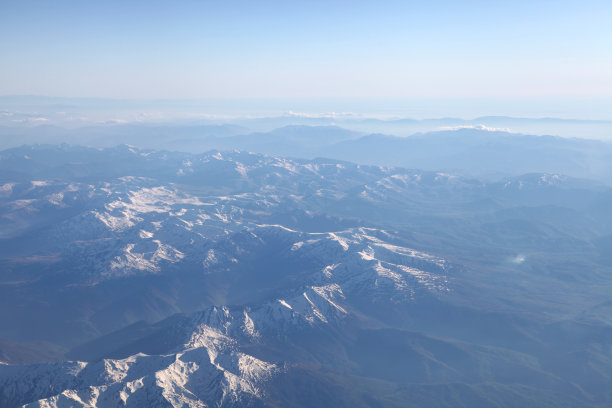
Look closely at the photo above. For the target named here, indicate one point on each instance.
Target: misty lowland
(305, 204)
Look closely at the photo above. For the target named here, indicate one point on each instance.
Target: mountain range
(474, 151)
(139, 277)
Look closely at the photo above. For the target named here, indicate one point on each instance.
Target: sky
(554, 52)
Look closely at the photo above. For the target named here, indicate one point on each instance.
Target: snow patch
(6, 189)
(145, 234)
(282, 302)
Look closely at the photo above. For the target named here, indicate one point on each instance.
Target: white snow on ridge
(188, 378)
(145, 234)
(6, 189)
(123, 214)
(284, 303)
(56, 199)
(217, 328)
(241, 169)
(117, 223)
(132, 262)
(343, 242)
(365, 264)
(23, 204)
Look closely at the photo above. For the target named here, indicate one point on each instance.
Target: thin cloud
(31, 120)
(518, 259)
(476, 127)
(331, 115)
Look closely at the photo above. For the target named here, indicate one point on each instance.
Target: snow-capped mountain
(238, 279)
(204, 365)
(195, 377)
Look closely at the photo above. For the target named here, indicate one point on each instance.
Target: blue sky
(520, 50)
